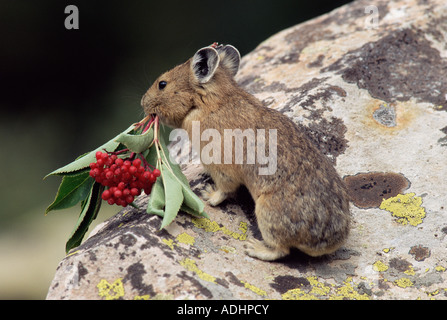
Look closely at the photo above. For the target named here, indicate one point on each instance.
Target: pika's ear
(230, 58)
(204, 64)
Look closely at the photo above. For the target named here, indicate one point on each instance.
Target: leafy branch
(113, 172)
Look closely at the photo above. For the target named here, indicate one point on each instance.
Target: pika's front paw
(258, 249)
(214, 197)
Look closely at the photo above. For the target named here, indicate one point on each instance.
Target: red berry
(153, 178)
(135, 192)
(126, 177)
(108, 162)
(109, 174)
(121, 202)
(93, 165)
(136, 162)
(156, 173)
(118, 194)
(119, 162)
(133, 170)
(129, 199)
(127, 163)
(121, 186)
(111, 201)
(94, 173)
(98, 155)
(104, 156)
(106, 195)
(148, 190)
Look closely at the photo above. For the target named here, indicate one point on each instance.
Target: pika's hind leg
(268, 216)
(260, 250)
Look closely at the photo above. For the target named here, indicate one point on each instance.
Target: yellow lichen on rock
(403, 282)
(206, 224)
(348, 292)
(298, 294)
(440, 268)
(318, 288)
(191, 265)
(186, 239)
(213, 226)
(406, 207)
(170, 243)
(111, 291)
(255, 289)
(380, 266)
(410, 271)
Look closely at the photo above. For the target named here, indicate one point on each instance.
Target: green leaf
(136, 143)
(173, 196)
(190, 198)
(175, 167)
(84, 162)
(73, 188)
(190, 211)
(88, 213)
(156, 203)
(164, 132)
(151, 156)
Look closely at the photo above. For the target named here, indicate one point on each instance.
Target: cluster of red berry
(124, 178)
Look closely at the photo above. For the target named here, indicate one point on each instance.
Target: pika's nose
(143, 100)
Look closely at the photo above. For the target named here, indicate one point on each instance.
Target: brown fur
(303, 205)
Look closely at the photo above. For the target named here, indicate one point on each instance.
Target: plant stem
(157, 144)
(140, 123)
(149, 125)
(146, 164)
(118, 152)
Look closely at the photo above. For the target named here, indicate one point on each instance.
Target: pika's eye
(162, 85)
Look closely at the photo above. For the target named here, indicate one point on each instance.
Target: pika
(304, 204)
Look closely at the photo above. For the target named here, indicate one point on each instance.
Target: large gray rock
(372, 94)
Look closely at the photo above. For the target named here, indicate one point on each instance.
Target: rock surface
(368, 82)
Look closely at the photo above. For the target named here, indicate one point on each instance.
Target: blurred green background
(64, 92)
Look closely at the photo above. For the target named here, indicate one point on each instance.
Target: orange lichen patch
(390, 117)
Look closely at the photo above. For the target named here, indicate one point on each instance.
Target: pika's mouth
(148, 107)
